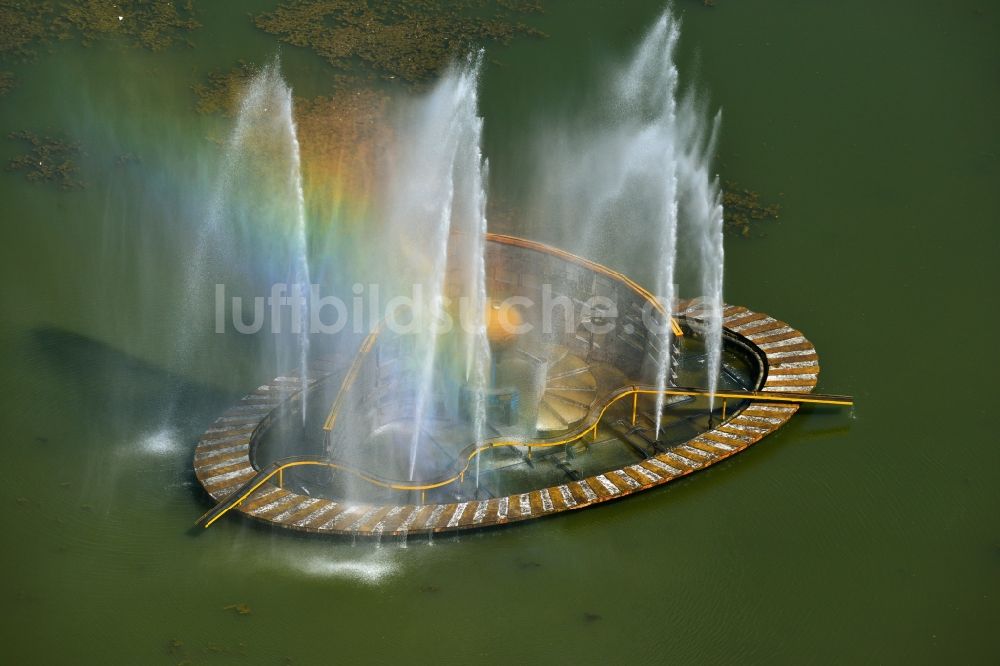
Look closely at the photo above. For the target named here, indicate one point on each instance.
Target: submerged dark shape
(239, 609)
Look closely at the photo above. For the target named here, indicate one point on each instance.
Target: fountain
(257, 221)
(526, 380)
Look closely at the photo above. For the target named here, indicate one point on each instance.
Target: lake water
(872, 538)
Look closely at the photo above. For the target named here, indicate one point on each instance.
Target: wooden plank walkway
(222, 460)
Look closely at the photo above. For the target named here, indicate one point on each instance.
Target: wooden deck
(222, 460)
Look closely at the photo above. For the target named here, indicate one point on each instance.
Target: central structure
(572, 412)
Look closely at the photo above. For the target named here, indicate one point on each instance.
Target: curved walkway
(223, 464)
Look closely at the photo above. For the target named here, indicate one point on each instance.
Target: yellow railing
(349, 378)
(592, 265)
(592, 422)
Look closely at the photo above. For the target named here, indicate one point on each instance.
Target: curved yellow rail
(592, 265)
(593, 423)
(351, 375)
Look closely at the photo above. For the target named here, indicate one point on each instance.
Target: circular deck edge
(222, 459)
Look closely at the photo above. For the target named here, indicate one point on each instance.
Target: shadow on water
(106, 379)
(129, 406)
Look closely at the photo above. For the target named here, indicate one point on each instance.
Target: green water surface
(872, 538)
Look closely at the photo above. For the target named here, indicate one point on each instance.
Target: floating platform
(224, 465)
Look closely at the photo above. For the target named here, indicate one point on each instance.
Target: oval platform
(223, 457)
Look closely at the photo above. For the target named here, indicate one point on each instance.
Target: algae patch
(48, 159)
(221, 90)
(407, 39)
(151, 24)
(743, 209)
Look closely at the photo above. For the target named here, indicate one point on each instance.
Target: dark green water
(837, 540)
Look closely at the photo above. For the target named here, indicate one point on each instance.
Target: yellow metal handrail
(349, 378)
(592, 265)
(593, 422)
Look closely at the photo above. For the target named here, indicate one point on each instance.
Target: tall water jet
(255, 231)
(436, 211)
(471, 206)
(632, 176)
(612, 178)
(702, 203)
(302, 279)
(649, 92)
